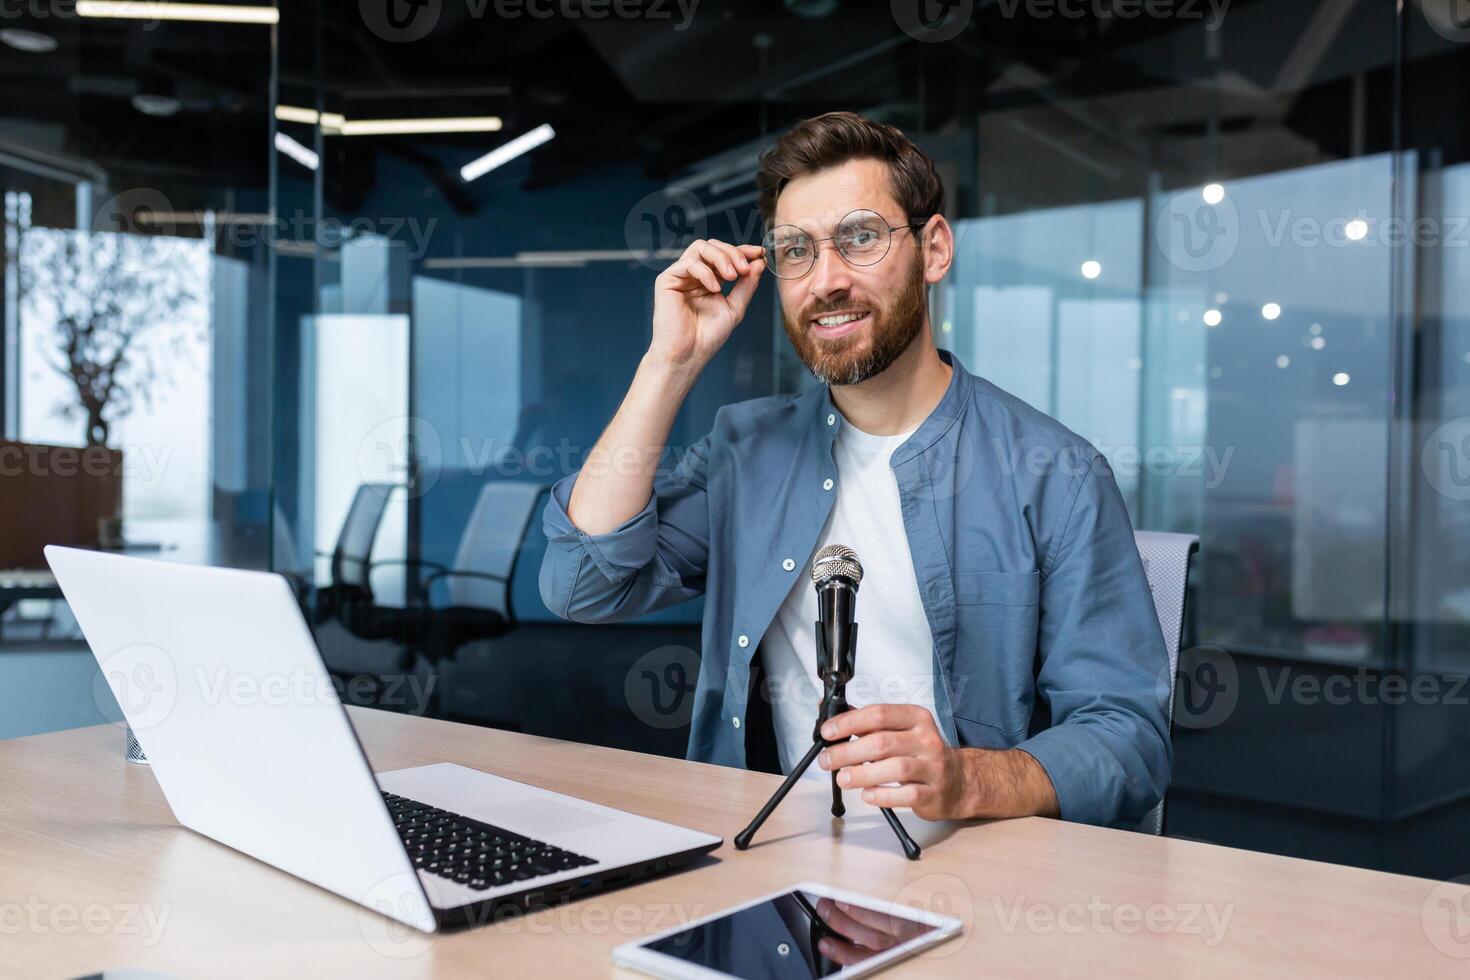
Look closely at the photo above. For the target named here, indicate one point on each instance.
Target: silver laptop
(221, 681)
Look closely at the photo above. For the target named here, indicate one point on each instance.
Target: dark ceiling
(667, 94)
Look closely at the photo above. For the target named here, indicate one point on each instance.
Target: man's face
(872, 313)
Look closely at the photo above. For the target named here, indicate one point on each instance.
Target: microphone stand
(834, 703)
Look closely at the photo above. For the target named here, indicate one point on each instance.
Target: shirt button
(735, 722)
(831, 419)
(744, 641)
(826, 484)
(788, 564)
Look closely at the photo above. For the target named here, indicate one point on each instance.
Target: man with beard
(1011, 661)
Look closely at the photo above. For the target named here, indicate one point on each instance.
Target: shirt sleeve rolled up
(656, 558)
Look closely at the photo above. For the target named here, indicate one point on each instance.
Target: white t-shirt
(895, 650)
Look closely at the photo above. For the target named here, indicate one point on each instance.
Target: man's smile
(838, 323)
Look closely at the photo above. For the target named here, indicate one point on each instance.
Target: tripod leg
(837, 807)
(742, 839)
(910, 846)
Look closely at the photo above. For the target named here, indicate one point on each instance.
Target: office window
(125, 318)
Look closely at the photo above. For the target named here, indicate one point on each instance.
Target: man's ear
(937, 239)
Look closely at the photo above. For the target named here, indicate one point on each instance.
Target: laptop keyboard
(473, 853)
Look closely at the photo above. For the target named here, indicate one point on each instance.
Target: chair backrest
(353, 553)
(1166, 564)
(490, 543)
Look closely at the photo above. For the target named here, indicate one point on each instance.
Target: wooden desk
(97, 875)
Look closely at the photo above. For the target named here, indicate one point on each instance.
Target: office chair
(348, 598)
(1166, 560)
(478, 586)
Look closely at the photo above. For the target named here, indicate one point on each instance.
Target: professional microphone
(836, 574)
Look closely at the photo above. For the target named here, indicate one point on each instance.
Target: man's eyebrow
(826, 225)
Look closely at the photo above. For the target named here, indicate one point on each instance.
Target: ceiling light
(328, 120)
(209, 12)
(503, 154)
(1212, 318)
(1213, 193)
(403, 127)
(31, 42)
(1356, 230)
(1271, 311)
(294, 150)
(811, 9)
(1318, 343)
(153, 104)
(1282, 361)
(1091, 269)
(1341, 378)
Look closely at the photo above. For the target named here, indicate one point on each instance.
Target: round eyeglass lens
(790, 252)
(863, 237)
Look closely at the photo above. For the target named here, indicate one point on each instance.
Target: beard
(892, 327)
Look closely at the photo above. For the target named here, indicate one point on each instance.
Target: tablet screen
(795, 935)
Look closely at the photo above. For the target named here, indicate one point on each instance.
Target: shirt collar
(829, 420)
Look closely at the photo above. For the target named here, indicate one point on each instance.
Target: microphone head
(836, 560)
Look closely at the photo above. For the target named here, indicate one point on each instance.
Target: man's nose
(831, 276)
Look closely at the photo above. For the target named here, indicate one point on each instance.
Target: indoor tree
(116, 307)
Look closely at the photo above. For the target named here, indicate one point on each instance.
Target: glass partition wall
(135, 387)
(1227, 247)
(135, 312)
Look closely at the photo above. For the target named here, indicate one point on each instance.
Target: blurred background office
(339, 290)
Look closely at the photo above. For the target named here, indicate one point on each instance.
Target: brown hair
(833, 139)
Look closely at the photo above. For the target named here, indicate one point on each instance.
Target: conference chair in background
(440, 607)
(348, 596)
(1166, 559)
(476, 591)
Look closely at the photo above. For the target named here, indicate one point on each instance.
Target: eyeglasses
(861, 238)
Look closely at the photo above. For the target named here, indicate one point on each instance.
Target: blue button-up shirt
(1045, 634)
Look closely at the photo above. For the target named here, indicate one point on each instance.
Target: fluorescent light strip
(335, 124)
(548, 258)
(476, 169)
(200, 217)
(396, 127)
(167, 10)
(291, 113)
(294, 150)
